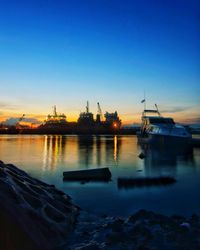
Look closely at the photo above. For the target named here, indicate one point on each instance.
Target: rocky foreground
(35, 215)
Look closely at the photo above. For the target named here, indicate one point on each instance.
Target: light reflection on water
(46, 157)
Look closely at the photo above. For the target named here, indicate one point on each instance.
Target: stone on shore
(141, 231)
(33, 214)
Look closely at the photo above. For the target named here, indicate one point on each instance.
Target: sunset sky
(108, 51)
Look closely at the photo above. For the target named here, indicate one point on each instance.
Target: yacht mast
(144, 100)
(157, 109)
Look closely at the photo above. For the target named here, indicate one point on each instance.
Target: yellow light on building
(115, 125)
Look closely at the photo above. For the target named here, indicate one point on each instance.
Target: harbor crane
(21, 118)
(99, 113)
(17, 125)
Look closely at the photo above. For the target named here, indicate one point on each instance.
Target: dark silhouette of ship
(55, 120)
(56, 123)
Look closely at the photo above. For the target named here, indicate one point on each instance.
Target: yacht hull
(159, 130)
(164, 140)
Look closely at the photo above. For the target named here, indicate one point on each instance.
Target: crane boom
(21, 118)
(17, 125)
(99, 111)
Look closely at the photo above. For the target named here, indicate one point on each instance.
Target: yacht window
(161, 120)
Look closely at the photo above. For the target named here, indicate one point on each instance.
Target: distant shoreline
(79, 131)
(131, 131)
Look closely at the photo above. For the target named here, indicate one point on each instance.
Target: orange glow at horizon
(135, 118)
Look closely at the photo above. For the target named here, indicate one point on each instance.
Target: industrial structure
(86, 118)
(99, 117)
(87, 123)
(113, 120)
(55, 119)
(18, 125)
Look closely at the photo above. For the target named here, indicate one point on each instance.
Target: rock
(116, 237)
(15, 170)
(141, 215)
(34, 215)
(140, 230)
(1, 164)
(54, 214)
(34, 202)
(143, 247)
(90, 246)
(117, 225)
(97, 236)
(37, 189)
(2, 173)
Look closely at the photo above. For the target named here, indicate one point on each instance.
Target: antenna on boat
(144, 101)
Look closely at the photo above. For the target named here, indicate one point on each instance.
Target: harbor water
(47, 156)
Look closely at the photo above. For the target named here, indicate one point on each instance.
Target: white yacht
(158, 129)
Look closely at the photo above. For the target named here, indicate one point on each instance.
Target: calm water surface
(46, 157)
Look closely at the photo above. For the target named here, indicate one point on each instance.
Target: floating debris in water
(96, 174)
(144, 181)
(141, 155)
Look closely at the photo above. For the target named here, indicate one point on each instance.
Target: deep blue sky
(67, 52)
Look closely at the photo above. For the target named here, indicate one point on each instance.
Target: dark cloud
(194, 120)
(4, 105)
(197, 120)
(127, 114)
(174, 109)
(13, 121)
(32, 120)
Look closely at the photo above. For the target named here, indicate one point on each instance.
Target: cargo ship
(56, 123)
(55, 120)
(87, 123)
